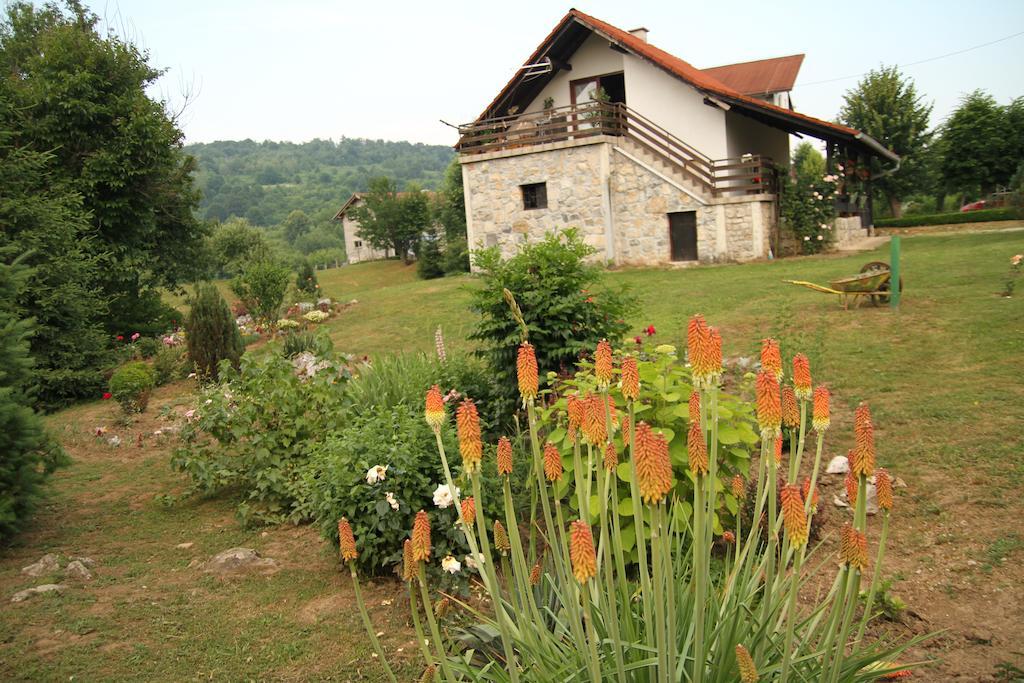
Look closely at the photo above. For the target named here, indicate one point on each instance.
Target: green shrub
(261, 287)
(400, 440)
(982, 215)
(131, 385)
(562, 302)
(305, 279)
(300, 341)
(456, 256)
(170, 364)
(211, 333)
(254, 432)
(429, 259)
(27, 453)
(147, 347)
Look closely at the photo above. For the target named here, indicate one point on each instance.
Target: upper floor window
(535, 195)
(358, 243)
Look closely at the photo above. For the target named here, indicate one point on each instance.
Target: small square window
(359, 243)
(535, 195)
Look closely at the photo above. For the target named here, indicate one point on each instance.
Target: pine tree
(305, 280)
(211, 332)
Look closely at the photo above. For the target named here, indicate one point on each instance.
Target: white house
(654, 160)
(356, 248)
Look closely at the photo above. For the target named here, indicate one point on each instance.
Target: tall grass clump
(706, 600)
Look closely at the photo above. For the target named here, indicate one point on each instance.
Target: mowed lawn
(943, 376)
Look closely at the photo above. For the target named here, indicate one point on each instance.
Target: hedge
(1003, 214)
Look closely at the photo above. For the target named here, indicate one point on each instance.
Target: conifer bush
(564, 604)
(305, 279)
(212, 335)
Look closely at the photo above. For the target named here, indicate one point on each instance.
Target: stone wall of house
(849, 229)
(574, 193)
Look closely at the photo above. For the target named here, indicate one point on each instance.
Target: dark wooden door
(682, 231)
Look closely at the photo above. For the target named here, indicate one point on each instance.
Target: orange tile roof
(759, 77)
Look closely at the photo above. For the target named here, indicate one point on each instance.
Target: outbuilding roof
(759, 77)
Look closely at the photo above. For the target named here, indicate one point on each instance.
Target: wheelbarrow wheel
(883, 297)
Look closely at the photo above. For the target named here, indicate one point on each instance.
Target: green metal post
(894, 269)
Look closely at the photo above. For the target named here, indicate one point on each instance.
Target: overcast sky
(301, 69)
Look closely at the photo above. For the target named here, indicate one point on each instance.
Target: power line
(923, 61)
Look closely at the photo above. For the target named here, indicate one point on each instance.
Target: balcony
(746, 175)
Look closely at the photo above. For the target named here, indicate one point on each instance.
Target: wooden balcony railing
(749, 174)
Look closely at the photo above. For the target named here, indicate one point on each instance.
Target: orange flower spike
(698, 449)
(575, 410)
(611, 457)
(769, 407)
(347, 541)
(806, 491)
(694, 331)
(793, 515)
(421, 537)
(434, 412)
(408, 564)
(611, 412)
(790, 412)
(470, 445)
(595, 429)
(883, 485)
(771, 358)
(468, 511)
(745, 663)
(653, 467)
(501, 542)
(715, 357)
(694, 405)
(739, 487)
(526, 371)
(820, 417)
(699, 347)
(581, 551)
(603, 363)
(846, 543)
(504, 456)
(858, 550)
(535, 575)
(851, 487)
(864, 436)
(802, 376)
(778, 450)
(630, 378)
(552, 462)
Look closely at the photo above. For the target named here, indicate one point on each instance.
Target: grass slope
(942, 375)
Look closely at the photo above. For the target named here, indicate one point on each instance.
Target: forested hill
(264, 181)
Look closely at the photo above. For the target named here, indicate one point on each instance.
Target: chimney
(640, 33)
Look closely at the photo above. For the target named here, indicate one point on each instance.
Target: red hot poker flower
(526, 371)
(421, 537)
(771, 358)
(821, 419)
(883, 484)
(468, 511)
(552, 463)
(603, 362)
(470, 445)
(790, 413)
(697, 448)
(581, 551)
(793, 515)
(346, 541)
(653, 466)
(504, 456)
(806, 490)
(630, 378)
(434, 412)
(802, 376)
(769, 407)
(864, 433)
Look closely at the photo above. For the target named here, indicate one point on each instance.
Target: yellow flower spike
(611, 457)
(408, 563)
(790, 412)
(771, 358)
(603, 363)
(821, 419)
(769, 407)
(802, 376)
(468, 511)
(421, 538)
(851, 487)
(434, 411)
(739, 487)
(806, 491)
(581, 551)
(653, 467)
(864, 436)
(470, 446)
(793, 515)
(745, 663)
(501, 542)
(697, 448)
(526, 371)
(504, 456)
(346, 541)
(535, 574)
(630, 378)
(883, 486)
(552, 462)
(575, 411)
(694, 406)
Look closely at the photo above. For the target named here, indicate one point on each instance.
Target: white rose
(451, 565)
(376, 473)
(390, 497)
(443, 495)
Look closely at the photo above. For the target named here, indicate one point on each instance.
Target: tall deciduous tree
(982, 145)
(389, 219)
(886, 106)
(83, 96)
